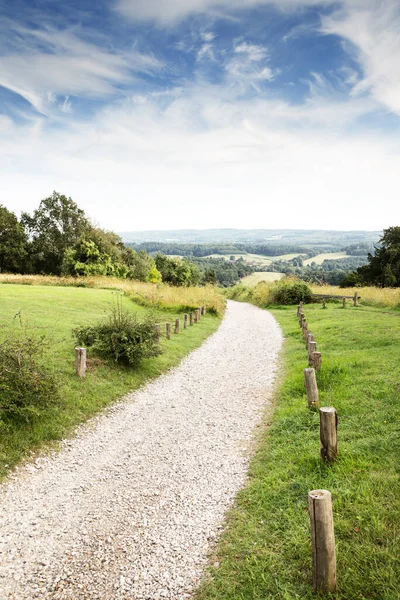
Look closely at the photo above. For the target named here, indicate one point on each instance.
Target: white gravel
(129, 508)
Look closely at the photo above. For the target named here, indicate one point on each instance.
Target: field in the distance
(252, 280)
(319, 259)
(54, 311)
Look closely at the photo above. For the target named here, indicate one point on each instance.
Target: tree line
(206, 250)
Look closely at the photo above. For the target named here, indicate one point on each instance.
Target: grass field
(55, 311)
(265, 551)
(319, 259)
(252, 280)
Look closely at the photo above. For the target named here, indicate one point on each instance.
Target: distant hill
(303, 237)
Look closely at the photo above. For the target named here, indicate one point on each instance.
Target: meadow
(319, 259)
(265, 550)
(54, 310)
(255, 278)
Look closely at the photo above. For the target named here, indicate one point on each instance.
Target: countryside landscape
(199, 300)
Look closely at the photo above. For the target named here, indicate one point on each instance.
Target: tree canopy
(12, 242)
(383, 268)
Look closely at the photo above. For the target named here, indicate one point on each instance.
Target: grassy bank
(265, 551)
(150, 295)
(54, 311)
(261, 294)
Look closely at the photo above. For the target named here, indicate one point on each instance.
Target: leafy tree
(177, 271)
(13, 242)
(383, 269)
(56, 225)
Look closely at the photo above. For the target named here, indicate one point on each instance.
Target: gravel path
(128, 508)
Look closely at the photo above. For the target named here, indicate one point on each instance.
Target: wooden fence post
(168, 330)
(312, 348)
(80, 361)
(185, 321)
(203, 310)
(310, 338)
(191, 318)
(344, 302)
(355, 299)
(198, 313)
(305, 330)
(317, 360)
(301, 319)
(196, 316)
(328, 422)
(323, 541)
(177, 326)
(324, 303)
(310, 381)
(158, 332)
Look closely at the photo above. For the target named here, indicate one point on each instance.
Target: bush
(27, 387)
(121, 337)
(290, 291)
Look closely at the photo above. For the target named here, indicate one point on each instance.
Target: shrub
(290, 291)
(27, 387)
(121, 337)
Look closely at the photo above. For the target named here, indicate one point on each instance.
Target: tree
(56, 225)
(383, 269)
(13, 242)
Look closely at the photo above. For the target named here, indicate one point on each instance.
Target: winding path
(128, 508)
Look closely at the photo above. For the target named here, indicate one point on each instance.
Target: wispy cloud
(371, 29)
(53, 62)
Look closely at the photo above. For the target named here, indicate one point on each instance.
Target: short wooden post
(80, 361)
(203, 310)
(311, 387)
(196, 315)
(301, 306)
(310, 338)
(301, 319)
(185, 321)
(168, 330)
(317, 360)
(157, 329)
(323, 541)
(355, 299)
(305, 330)
(344, 302)
(177, 326)
(191, 318)
(324, 303)
(312, 349)
(328, 422)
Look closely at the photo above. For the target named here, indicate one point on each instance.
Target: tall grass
(262, 294)
(161, 296)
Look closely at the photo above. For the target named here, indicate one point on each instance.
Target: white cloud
(264, 163)
(372, 29)
(54, 63)
(254, 52)
(167, 13)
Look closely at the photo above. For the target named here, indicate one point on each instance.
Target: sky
(156, 114)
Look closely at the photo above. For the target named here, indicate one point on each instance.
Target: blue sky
(203, 113)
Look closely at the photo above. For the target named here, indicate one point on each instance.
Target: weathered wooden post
(301, 319)
(185, 321)
(317, 361)
(168, 330)
(196, 316)
(324, 303)
(323, 541)
(310, 381)
(157, 329)
(344, 302)
(198, 313)
(177, 326)
(203, 310)
(305, 330)
(355, 299)
(310, 338)
(328, 422)
(191, 318)
(80, 361)
(312, 348)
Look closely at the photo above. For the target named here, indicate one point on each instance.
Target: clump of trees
(59, 239)
(383, 268)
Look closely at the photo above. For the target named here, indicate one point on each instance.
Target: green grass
(55, 311)
(319, 259)
(252, 280)
(265, 551)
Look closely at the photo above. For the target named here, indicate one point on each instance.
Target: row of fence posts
(320, 501)
(192, 317)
